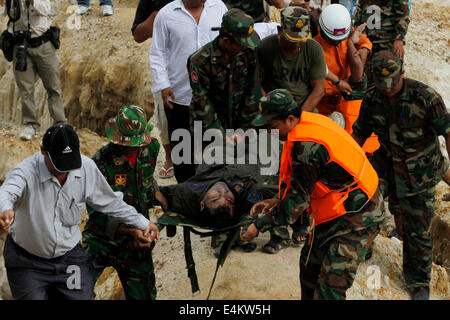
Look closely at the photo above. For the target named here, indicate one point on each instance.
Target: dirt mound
(102, 68)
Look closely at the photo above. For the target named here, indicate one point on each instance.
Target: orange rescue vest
(328, 204)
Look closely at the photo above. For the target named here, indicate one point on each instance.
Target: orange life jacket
(328, 204)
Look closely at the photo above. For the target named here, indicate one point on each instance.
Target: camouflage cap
(387, 69)
(240, 26)
(129, 127)
(295, 24)
(277, 103)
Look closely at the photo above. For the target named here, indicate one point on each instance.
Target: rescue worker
(346, 51)
(408, 116)
(324, 171)
(292, 60)
(128, 163)
(387, 23)
(224, 76)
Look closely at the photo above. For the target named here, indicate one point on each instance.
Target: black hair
(219, 218)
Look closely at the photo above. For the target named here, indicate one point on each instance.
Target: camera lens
(21, 50)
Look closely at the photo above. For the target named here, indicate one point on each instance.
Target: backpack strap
(190, 264)
(226, 248)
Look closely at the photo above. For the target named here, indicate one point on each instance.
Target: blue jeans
(86, 3)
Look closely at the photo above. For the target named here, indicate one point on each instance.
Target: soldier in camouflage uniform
(292, 60)
(393, 20)
(128, 163)
(408, 116)
(224, 76)
(254, 8)
(329, 260)
(393, 25)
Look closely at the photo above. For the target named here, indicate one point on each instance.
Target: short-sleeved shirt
(408, 134)
(145, 9)
(292, 73)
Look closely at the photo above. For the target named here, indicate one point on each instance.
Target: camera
(20, 39)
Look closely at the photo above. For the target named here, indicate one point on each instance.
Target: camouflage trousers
(134, 265)
(331, 267)
(413, 217)
(329, 263)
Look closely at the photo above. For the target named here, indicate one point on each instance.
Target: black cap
(61, 143)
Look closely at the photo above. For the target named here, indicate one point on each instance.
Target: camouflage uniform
(134, 265)
(409, 161)
(329, 263)
(394, 21)
(225, 94)
(394, 26)
(293, 74)
(254, 8)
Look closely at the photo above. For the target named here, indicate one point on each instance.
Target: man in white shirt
(180, 28)
(41, 204)
(39, 60)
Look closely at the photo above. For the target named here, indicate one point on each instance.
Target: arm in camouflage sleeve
(401, 10)
(253, 92)
(362, 129)
(306, 168)
(201, 106)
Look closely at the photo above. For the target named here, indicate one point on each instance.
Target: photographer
(34, 53)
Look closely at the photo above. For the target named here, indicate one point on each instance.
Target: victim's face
(219, 195)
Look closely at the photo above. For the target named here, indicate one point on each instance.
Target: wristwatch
(337, 82)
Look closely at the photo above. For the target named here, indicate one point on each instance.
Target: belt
(37, 41)
(34, 257)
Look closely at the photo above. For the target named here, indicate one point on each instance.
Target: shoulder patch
(194, 77)
(238, 186)
(254, 197)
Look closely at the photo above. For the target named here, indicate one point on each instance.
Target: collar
(216, 55)
(178, 4)
(45, 174)
(115, 152)
(403, 94)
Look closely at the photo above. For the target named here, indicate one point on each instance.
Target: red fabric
(132, 158)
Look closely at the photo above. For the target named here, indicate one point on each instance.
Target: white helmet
(335, 22)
